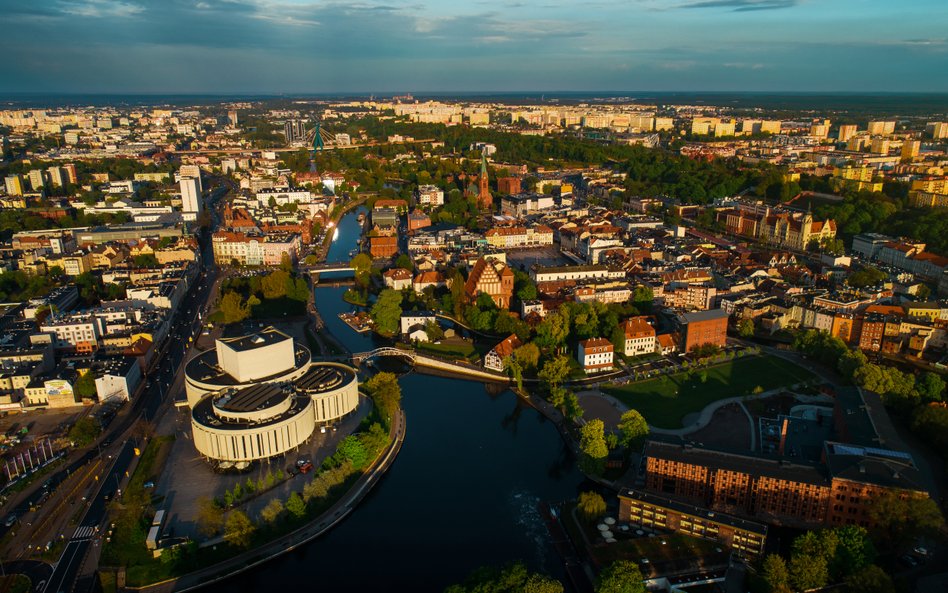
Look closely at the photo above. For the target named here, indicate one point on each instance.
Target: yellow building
(846, 131)
(937, 185)
(855, 178)
(911, 148)
(922, 199)
(881, 128)
(929, 311)
(879, 146)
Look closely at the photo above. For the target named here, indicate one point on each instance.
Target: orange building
(804, 483)
(380, 247)
(703, 327)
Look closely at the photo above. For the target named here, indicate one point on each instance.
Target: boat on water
(361, 217)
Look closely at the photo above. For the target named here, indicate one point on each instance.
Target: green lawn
(464, 349)
(666, 400)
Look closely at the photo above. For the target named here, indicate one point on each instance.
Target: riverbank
(287, 543)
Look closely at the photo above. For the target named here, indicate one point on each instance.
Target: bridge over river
(430, 361)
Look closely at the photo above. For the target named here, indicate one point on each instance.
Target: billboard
(59, 388)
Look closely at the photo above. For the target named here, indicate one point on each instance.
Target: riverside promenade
(289, 542)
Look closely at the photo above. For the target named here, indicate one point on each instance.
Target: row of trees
(621, 576)
(900, 390)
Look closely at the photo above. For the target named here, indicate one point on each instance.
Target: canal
(463, 492)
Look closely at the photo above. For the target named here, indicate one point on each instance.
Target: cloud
(742, 5)
(101, 8)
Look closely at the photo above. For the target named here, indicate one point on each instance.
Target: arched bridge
(326, 267)
(360, 357)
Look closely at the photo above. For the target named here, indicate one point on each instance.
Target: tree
(528, 355)
(849, 362)
(555, 371)
(239, 529)
(511, 579)
(362, 266)
(234, 308)
(622, 576)
(272, 511)
(553, 330)
(274, 284)
(387, 311)
(85, 385)
(295, 505)
(870, 579)
(854, 551)
(592, 443)
(404, 261)
(85, 431)
(900, 517)
(286, 263)
(808, 572)
(930, 387)
(591, 505)
(745, 328)
(433, 331)
(386, 394)
(210, 519)
(775, 574)
(632, 427)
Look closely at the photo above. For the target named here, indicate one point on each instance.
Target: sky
(363, 46)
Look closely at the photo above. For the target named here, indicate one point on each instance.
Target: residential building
(595, 355)
(14, 184)
(703, 327)
(494, 359)
(429, 195)
(639, 336)
(397, 278)
(518, 236)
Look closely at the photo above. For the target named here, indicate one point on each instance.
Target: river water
(463, 492)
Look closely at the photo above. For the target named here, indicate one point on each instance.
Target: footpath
(335, 514)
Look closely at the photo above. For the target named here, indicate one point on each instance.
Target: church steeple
(484, 200)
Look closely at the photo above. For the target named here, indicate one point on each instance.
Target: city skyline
(258, 46)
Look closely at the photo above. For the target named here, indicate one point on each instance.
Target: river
(463, 492)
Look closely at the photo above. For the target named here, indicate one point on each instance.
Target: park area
(666, 400)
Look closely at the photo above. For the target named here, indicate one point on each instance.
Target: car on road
(11, 519)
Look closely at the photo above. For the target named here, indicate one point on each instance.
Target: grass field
(666, 400)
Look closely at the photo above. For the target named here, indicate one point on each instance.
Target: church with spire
(485, 201)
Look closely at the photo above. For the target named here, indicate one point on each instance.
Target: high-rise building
(190, 197)
(846, 131)
(879, 146)
(14, 184)
(71, 173)
(881, 128)
(57, 176)
(911, 148)
(192, 171)
(294, 130)
(938, 130)
(37, 180)
(232, 118)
